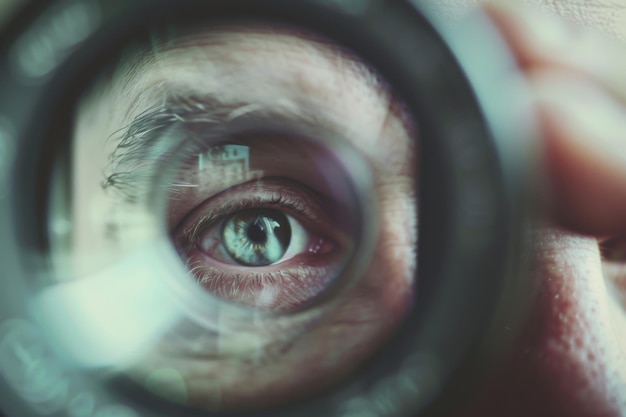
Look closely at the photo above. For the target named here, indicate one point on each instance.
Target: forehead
(259, 68)
(261, 63)
(255, 70)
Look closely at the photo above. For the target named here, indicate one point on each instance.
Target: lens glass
(236, 229)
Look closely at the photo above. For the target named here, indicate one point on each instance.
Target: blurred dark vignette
(7, 10)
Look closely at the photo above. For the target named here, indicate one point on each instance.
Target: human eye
(270, 242)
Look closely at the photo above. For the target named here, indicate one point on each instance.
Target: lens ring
(379, 31)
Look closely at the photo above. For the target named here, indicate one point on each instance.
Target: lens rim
(465, 257)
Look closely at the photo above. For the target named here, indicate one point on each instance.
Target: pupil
(256, 233)
(256, 237)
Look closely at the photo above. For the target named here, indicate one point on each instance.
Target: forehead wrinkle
(172, 68)
(171, 59)
(403, 153)
(260, 37)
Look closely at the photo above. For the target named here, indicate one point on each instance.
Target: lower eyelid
(277, 289)
(319, 252)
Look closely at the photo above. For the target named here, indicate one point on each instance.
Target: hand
(571, 357)
(578, 79)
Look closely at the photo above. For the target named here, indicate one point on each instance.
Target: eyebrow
(154, 136)
(173, 110)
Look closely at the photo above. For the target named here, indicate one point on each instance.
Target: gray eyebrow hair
(140, 144)
(155, 135)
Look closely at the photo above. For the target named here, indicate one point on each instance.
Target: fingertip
(534, 35)
(584, 143)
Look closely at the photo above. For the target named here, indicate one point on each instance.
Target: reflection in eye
(259, 237)
(256, 238)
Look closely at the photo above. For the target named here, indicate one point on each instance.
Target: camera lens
(217, 205)
(234, 178)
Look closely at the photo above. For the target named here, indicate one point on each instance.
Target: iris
(256, 237)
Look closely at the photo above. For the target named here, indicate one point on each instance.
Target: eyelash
(284, 285)
(192, 234)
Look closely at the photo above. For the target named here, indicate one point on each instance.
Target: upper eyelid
(192, 234)
(271, 187)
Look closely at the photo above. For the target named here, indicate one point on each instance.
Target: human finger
(580, 101)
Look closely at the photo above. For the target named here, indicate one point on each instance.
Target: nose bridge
(575, 349)
(567, 361)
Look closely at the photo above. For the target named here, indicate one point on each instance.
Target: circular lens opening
(240, 217)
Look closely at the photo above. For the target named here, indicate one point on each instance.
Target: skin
(570, 357)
